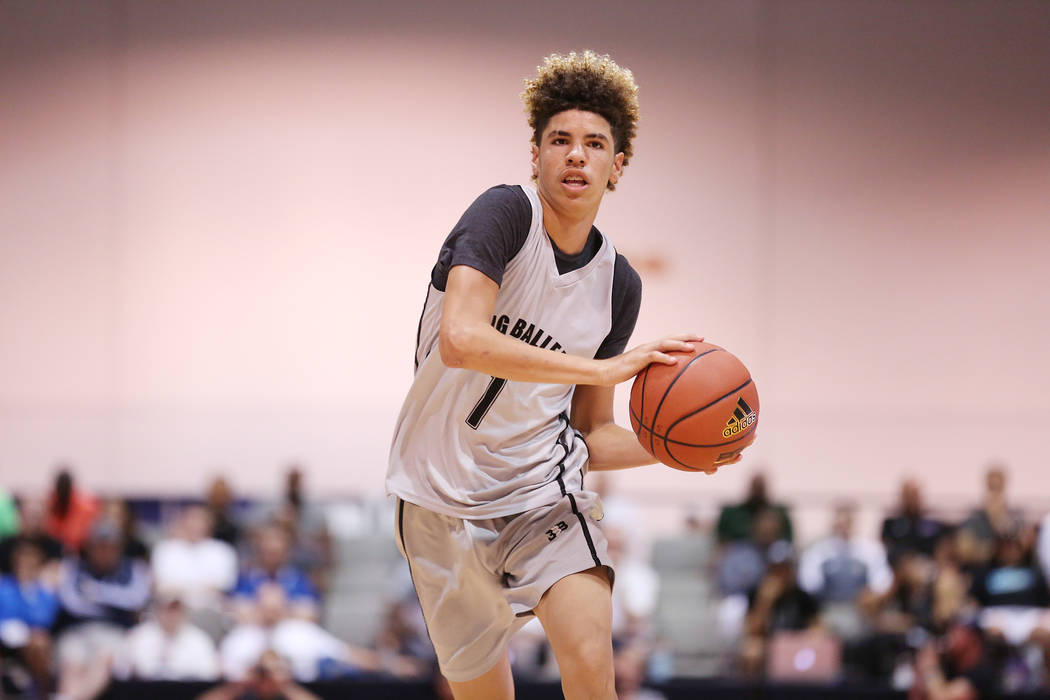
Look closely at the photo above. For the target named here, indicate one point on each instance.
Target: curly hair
(589, 82)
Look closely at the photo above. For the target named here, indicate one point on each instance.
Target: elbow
(454, 344)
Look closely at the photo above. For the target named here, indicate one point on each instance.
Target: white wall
(216, 225)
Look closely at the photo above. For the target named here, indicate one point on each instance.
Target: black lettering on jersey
(519, 326)
(547, 341)
(526, 337)
(501, 323)
(556, 347)
(536, 338)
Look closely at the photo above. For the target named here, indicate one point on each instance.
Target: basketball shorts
(478, 580)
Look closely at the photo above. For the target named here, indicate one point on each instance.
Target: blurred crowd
(234, 592)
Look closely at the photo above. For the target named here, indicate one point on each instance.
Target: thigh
(467, 617)
(540, 547)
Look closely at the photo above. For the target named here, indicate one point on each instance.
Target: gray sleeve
(488, 235)
(626, 300)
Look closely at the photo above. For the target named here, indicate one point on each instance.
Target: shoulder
(626, 277)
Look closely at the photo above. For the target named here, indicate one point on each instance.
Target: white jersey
(473, 446)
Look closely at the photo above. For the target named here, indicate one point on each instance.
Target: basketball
(702, 410)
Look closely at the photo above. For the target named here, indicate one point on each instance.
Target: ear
(617, 170)
(535, 161)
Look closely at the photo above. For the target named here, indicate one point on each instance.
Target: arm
(467, 340)
(610, 446)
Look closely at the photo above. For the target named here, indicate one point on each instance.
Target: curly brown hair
(589, 82)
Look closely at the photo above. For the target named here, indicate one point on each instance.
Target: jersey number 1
(483, 405)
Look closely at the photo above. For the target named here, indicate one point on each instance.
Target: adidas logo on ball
(743, 417)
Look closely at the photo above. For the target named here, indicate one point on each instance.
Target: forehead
(573, 120)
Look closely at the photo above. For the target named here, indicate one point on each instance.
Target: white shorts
(478, 580)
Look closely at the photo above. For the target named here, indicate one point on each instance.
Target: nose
(575, 155)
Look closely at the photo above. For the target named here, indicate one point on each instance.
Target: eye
(559, 141)
(597, 144)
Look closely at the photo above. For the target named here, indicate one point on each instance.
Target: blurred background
(217, 222)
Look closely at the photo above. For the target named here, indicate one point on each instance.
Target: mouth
(575, 181)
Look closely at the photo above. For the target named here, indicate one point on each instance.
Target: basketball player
(519, 348)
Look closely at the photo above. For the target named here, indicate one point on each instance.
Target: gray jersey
(474, 446)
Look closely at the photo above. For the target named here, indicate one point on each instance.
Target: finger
(663, 359)
(687, 337)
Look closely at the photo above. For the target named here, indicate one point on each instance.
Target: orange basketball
(702, 410)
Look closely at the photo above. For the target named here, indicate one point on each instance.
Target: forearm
(481, 348)
(613, 447)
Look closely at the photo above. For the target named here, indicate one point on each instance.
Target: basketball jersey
(474, 446)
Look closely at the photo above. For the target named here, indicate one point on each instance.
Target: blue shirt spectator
(28, 601)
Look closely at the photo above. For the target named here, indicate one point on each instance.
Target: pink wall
(216, 224)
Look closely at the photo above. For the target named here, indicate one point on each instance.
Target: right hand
(623, 367)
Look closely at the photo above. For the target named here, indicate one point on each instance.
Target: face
(575, 159)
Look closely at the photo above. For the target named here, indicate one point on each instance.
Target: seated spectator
(743, 562)
(307, 647)
(8, 514)
(735, 522)
(993, 520)
(119, 511)
(634, 595)
(271, 565)
(168, 647)
(269, 679)
(70, 512)
(196, 567)
(28, 608)
(842, 569)
(311, 544)
(777, 605)
(101, 594)
(404, 632)
(629, 666)
(1013, 594)
(219, 501)
(965, 671)
(31, 513)
(911, 530)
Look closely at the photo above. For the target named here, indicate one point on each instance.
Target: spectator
(634, 596)
(404, 631)
(735, 522)
(844, 571)
(119, 511)
(1013, 594)
(777, 605)
(101, 594)
(28, 608)
(743, 562)
(31, 513)
(196, 567)
(272, 548)
(994, 519)
(269, 679)
(70, 512)
(964, 672)
(911, 530)
(311, 544)
(629, 666)
(306, 646)
(8, 514)
(168, 647)
(220, 502)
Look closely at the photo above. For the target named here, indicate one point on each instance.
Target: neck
(568, 229)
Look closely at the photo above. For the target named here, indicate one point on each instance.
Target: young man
(519, 348)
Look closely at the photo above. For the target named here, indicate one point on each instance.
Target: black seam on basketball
(656, 413)
(641, 403)
(721, 444)
(664, 437)
(586, 532)
(703, 408)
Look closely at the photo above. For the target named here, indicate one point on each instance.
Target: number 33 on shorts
(560, 526)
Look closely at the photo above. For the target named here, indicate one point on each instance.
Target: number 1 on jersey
(483, 405)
